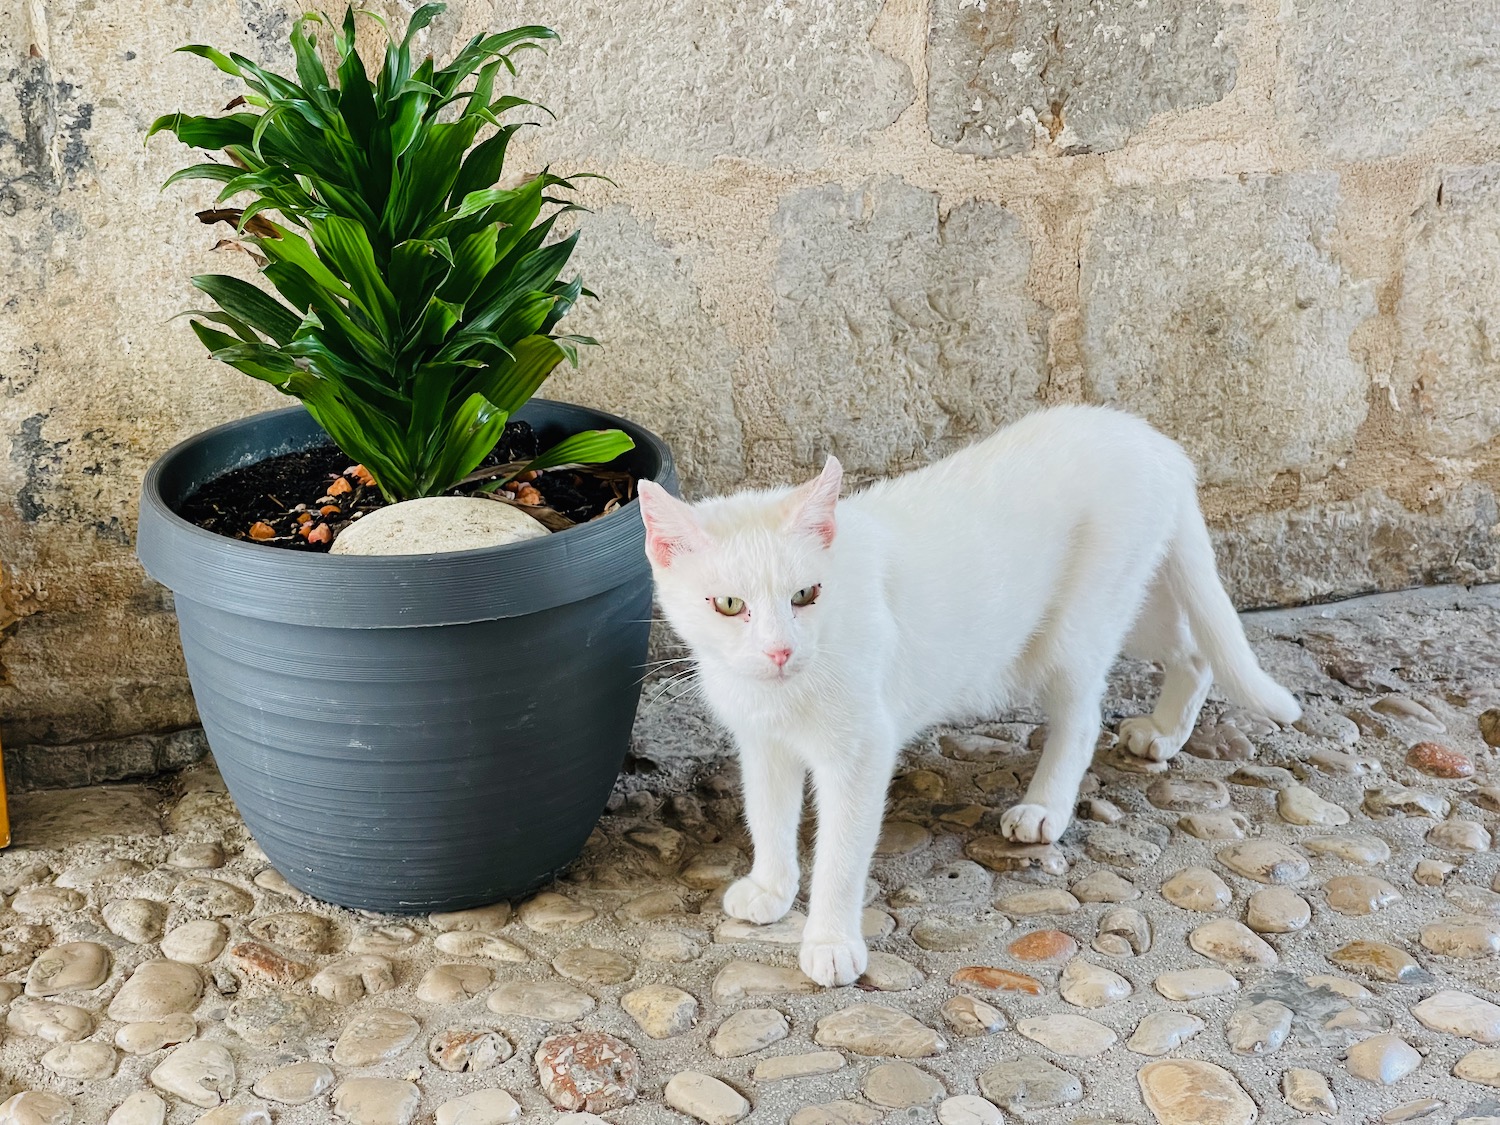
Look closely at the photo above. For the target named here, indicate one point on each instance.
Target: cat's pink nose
(779, 656)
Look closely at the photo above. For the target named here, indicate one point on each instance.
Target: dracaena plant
(418, 302)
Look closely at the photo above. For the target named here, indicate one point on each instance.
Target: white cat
(829, 633)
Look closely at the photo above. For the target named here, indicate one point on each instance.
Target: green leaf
(221, 172)
(344, 245)
(591, 447)
(510, 383)
(252, 305)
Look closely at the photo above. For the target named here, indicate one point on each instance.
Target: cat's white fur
(1015, 570)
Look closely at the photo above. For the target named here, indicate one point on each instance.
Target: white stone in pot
(436, 523)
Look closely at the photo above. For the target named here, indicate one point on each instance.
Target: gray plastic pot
(416, 732)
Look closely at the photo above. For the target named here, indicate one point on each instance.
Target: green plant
(420, 299)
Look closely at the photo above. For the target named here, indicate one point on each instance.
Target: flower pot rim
(348, 590)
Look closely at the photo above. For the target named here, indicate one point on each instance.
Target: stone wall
(877, 230)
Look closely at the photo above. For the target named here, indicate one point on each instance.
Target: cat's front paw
(832, 963)
(1032, 824)
(1143, 738)
(748, 900)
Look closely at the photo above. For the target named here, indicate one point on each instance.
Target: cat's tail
(1193, 576)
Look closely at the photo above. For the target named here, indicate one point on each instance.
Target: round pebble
(1277, 910)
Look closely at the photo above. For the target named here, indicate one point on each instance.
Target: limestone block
(1369, 80)
(682, 82)
(901, 335)
(1214, 309)
(1449, 312)
(1370, 542)
(663, 362)
(1005, 77)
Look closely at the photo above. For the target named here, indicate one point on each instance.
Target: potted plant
(419, 731)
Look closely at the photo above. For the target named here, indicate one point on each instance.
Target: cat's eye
(806, 596)
(729, 607)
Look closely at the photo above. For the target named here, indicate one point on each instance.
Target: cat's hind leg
(772, 779)
(1162, 634)
(1073, 707)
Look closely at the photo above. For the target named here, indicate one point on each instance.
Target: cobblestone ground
(1282, 924)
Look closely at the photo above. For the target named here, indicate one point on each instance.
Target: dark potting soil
(301, 501)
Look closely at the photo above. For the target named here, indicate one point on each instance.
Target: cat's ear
(814, 503)
(671, 527)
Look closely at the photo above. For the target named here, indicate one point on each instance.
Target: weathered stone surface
(199, 1072)
(1465, 939)
(741, 980)
(1192, 984)
(195, 943)
(274, 1018)
(36, 1107)
(482, 1107)
(1231, 943)
(141, 1108)
(939, 307)
(1038, 945)
(797, 1066)
(1373, 99)
(75, 966)
(1064, 1034)
(830, 88)
(1265, 861)
(1197, 888)
(900, 1085)
(1460, 1013)
(550, 1000)
(1029, 1083)
(373, 1036)
(1377, 960)
(1277, 910)
(262, 963)
(295, 1084)
(298, 930)
(747, 1031)
(1123, 932)
(1161, 1033)
(1005, 80)
(152, 1035)
(137, 920)
(1383, 1059)
(1193, 1092)
(353, 978)
(452, 983)
(661, 1010)
(376, 1101)
(552, 913)
(1259, 1029)
(1481, 1066)
(588, 1070)
(994, 977)
(81, 1061)
(594, 966)
(479, 919)
(1358, 895)
(869, 1029)
(156, 989)
(1307, 1091)
(1230, 259)
(705, 1098)
(462, 1050)
(1091, 986)
(969, 1016)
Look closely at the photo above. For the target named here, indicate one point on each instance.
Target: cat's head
(745, 579)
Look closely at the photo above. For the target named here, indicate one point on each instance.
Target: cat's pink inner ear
(671, 528)
(817, 501)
